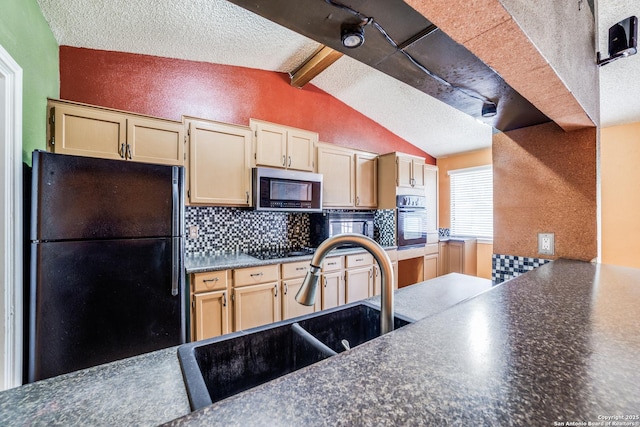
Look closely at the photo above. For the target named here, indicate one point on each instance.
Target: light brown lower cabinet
(358, 283)
(256, 296)
(256, 305)
(211, 314)
(431, 261)
(292, 277)
(210, 304)
(332, 289)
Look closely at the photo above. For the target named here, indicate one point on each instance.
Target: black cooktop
(265, 254)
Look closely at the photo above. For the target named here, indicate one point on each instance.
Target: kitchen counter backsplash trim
(506, 267)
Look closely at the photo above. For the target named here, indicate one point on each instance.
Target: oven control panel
(410, 201)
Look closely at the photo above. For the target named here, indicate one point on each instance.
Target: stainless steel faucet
(307, 293)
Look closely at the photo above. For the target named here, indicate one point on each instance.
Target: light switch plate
(193, 232)
(546, 243)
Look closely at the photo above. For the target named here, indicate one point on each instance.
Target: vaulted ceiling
(389, 84)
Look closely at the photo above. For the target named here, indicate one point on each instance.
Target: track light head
(489, 109)
(352, 36)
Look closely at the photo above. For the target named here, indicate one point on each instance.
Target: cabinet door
(377, 278)
(90, 132)
(291, 307)
(366, 166)
(332, 290)
(403, 171)
(430, 266)
(271, 145)
(155, 141)
(337, 167)
(211, 314)
(358, 284)
(431, 201)
(444, 259)
(256, 305)
(300, 149)
(456, 257)
(220, 168)
(417, 171)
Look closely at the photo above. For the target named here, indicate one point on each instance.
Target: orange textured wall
(445, 164)
(544, 180)
(171, 88)
(620, 194)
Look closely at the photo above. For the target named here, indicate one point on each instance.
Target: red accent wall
(171, 88)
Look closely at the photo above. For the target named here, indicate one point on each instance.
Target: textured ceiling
(619, 80)
(219, 32)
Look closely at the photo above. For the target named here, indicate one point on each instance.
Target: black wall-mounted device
(623, 40)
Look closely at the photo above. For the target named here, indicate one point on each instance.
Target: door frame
(11, 324)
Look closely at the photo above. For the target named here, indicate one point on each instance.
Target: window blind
(472, 202)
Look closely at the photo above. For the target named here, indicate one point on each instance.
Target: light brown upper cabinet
(282, 146)
(85, 130)
(338, 175)
(350, 178)
(219, 163)
(399, 174)
(366, 180)
(410, 171)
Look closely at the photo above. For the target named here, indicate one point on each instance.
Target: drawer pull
(215, 279)
(256, 274)
(332, 263)
(359, 259)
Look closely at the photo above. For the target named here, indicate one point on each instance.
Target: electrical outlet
(193, 231)
(546, 243)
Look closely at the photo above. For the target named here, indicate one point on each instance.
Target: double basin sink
(220, 367)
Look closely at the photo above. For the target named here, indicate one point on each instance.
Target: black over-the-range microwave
(286, 190)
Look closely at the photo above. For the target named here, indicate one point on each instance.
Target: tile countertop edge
(554, 345)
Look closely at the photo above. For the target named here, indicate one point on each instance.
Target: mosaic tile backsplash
(505, 267)
(224, 229)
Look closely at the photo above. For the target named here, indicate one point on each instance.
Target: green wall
(25, 34)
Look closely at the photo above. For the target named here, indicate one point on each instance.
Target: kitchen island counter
(149, 390)
(555, 346)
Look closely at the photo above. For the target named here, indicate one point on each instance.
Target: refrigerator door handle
(176, 267)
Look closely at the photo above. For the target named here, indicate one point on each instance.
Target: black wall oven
(411, 221)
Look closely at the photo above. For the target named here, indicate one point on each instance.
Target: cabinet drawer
(254, 275)
(212, 281)
(432, 248)
(358, 260)
(292, 270)
(332, 264)
(393, 255)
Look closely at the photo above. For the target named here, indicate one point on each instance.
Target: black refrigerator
(106, 263)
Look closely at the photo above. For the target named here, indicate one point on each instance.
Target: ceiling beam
(319, 61)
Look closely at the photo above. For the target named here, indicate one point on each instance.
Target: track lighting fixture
(489, 109)
(352, 36)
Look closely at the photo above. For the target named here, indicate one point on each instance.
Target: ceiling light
(352, 36)
(489, 109)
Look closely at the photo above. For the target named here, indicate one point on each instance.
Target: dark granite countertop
(556, 345)
(144, 390)
(149, 390)
(200, 263)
